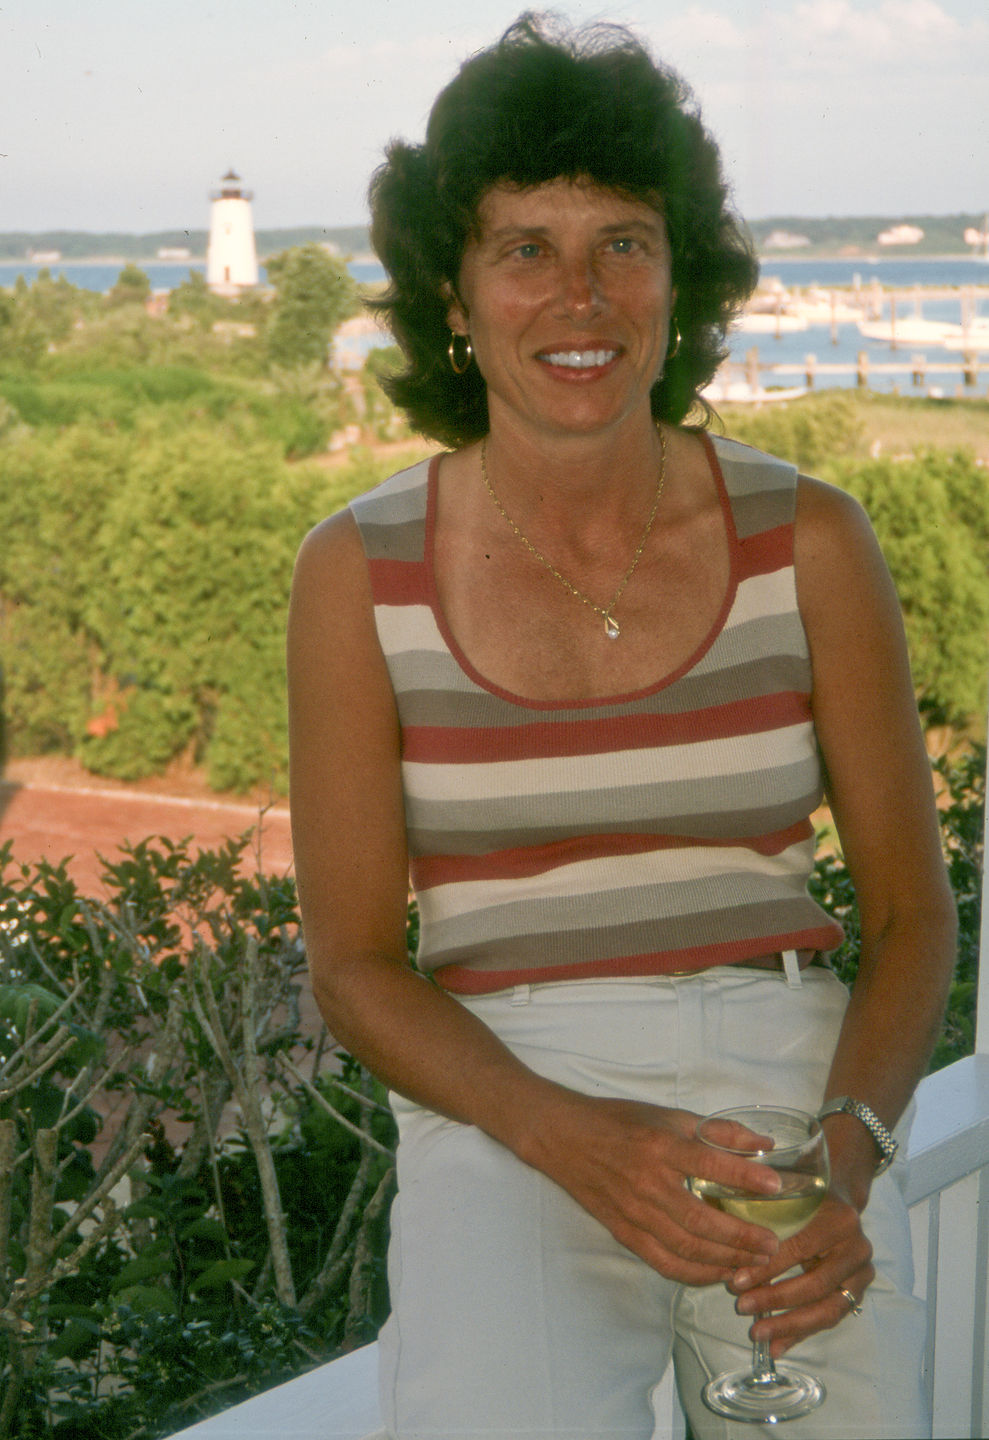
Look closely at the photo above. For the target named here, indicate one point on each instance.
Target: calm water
(901, 272)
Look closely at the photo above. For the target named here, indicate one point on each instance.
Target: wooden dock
(755, 372)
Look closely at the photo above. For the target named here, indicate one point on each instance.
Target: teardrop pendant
(611, 628)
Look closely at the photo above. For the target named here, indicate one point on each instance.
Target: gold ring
(854, 1308)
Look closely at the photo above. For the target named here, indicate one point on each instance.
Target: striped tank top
(658, 832)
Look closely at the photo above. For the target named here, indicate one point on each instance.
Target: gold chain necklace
(611, 626)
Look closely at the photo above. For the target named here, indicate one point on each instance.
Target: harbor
(898, 327)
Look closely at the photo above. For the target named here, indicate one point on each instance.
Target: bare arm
(625, 1163)
(879, 788)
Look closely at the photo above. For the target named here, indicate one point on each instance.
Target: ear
(456, 311)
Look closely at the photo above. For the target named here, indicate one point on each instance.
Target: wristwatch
(845, 1105)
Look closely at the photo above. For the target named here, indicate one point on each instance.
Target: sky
(123, 114)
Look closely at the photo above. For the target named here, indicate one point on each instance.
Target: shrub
(156, 1264)
(810, 434)
(962, 815)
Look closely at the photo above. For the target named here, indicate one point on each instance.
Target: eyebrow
(507, 232)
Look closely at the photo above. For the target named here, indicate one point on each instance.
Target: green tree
(22, 340)
(314, 294)
(931, 516)
(132, 287)
(55, 305)
(195, 299)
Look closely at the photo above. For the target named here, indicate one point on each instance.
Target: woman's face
(566, 295)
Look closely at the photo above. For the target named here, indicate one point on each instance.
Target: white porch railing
(947, 1189)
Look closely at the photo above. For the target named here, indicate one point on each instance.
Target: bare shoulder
(335, 662)
(839, 564)
(331, 560)
(828, 518)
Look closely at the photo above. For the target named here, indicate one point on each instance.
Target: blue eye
(623, 245)
(528, 250)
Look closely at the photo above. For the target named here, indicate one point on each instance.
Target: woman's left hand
(836, 1261)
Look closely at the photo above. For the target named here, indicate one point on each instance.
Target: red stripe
(405, 582)
(398, 582)
(765, 552)
(443, 745)
(522, 861)
(463, 981)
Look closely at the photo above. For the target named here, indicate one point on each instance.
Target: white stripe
(723, 759)
(408, 627)
(763, 595)
(413, 627)
(611, 880)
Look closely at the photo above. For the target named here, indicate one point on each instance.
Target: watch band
(845, 1105)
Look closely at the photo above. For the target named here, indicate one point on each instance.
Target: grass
(891, 425)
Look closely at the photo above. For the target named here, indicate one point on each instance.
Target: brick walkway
(53, 822)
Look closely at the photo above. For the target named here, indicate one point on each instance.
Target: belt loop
(791, 969)
(520, 995)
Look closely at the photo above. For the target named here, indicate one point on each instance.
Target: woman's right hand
(627, 1163)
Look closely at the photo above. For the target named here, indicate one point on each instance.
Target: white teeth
(580, 359)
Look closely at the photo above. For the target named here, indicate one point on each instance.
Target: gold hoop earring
(460, 369)
(674, 349)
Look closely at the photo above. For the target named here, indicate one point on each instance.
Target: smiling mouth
(579, 359)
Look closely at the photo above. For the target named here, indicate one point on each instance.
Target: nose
(580, 292)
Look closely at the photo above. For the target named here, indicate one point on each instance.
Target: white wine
(784, 1213)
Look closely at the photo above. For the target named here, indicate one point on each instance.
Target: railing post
(982, 989)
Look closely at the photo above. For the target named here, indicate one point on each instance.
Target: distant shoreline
(830, 238)
(765, 258)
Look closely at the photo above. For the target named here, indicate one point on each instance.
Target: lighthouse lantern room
(231, 257)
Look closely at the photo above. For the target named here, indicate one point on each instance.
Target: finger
(742, 1243)
(675, 1262)
(787, 1329)
(833, 1240)
(731, 1135)
(682, 1226)
(800, 1291)
(813, 1283)
(732, 1171)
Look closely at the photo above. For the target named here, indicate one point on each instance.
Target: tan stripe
(629, 883)
(741, 758)
(560, 944)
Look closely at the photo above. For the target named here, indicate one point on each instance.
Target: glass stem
(763, 1369)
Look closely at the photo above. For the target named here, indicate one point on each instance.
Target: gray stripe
(762, 510)
(400, 497)
(405, 541)
(706, 690)
(426, 680)
(752, 642)
(562, 945)
(447, 829)
(746, 469)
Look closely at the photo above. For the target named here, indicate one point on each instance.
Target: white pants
(515, 1313)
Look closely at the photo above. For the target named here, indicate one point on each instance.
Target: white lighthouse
(231, 258)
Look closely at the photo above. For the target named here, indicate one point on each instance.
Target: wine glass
(793, 1144)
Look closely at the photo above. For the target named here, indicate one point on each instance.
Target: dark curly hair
(548, 102)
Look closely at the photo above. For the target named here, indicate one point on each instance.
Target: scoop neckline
(593, 702)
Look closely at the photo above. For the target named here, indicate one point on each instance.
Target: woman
(586, 672)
